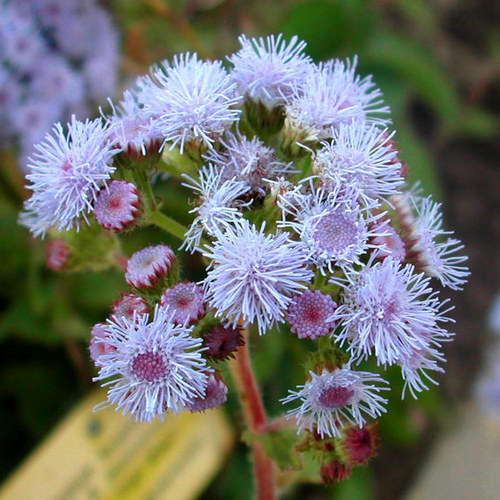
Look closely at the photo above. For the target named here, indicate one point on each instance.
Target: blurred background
(438, 64)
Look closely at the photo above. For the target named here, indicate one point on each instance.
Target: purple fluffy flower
(250, 161)
(333, 95)
(191, 101)
(390, 311)
(254, 275)
(67, 172)
(335, 230)
(333, 399)
(153, 366)
(360, 158)
(266, 70)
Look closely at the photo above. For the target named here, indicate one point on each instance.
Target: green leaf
(417, 66)
(330, 27)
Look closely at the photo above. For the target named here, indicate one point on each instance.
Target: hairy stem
(255, 418)
(166, 223)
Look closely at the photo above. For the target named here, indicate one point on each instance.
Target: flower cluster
(302, 216)
(56, 58)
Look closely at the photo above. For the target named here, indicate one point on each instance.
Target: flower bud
(118, 207)
(148, 266)
(360, 444)
(57, 254)
(128, 305)
(215, 395)
(98, 346)
(334, 471)
(222, 342)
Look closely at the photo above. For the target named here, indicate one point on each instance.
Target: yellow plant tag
(106, 456)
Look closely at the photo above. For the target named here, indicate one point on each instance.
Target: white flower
(436, 258)
(250, 161)
(332, 399)
(253, 275)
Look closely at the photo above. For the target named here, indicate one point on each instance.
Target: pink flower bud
(148, 266)
(118, 206)
(98, 345)
(185, 302)
(57, 254)
(215, 395)
(128, 305)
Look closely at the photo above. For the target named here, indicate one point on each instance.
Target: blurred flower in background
(57, 58)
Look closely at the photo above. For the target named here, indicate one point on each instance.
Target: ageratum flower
(360, 158)
(148, 266)
(215, 395)
(436, 258)
(250, 161)
(333, 227)
(254, 275)
(390, 311)
(132, 130)
(309, 314)
(153, 366)
(118, 206)
(333, 399)
(266, 70)
(185, 301)
(190, 101)
(332, 95)
(67, 171)
(218, 206)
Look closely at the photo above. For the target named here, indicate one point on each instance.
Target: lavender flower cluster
(302, 214)
(56, 58)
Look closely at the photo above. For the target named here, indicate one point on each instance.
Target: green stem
(142, 180)
(165, 222)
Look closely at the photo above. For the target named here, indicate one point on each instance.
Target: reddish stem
(255, 418)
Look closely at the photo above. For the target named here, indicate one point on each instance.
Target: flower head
(148, 266)
(253, 275)
(436, 258)
(57, 254)
(218, 206)
(360, 158)
(129, 305)
(118, 206)
(388, 310)
(154, 365)
(309, 314)
(265, 70)
(332, 399)
(333, 227)
(360, 444)
(98, 345)
(389, 244)
(332, 95)
(67, 172)
(190, 101)
(185, 301)
(215, 395)
(250, 161)
(334, 471)
(132, 129)
(222, 342)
